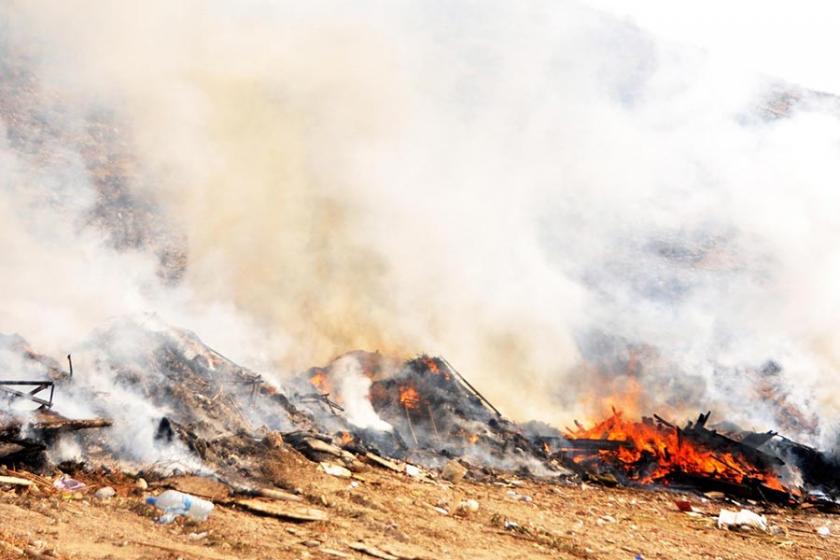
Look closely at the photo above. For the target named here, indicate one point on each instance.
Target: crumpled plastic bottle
(174, 504)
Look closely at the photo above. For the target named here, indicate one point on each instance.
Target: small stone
(467, 507)
(453, 472)
(105, 493)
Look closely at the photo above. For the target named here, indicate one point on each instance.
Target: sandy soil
(395, 514)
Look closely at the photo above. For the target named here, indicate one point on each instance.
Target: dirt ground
(397, 516)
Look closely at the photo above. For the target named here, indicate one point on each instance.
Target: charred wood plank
(750, 488)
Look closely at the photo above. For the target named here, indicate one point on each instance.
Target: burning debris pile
(655, 451)
(173, 403)
(431, 414)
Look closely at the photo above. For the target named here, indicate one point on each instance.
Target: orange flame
(345, 438)
(671, 453)
(409, 397)
(472, 438)
(321, 382)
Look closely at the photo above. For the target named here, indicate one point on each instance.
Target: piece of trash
(466, 507)
(335, 470)
(743, 518)
(519, 497)
(105, 492)
(174, 504)
(141, 484)
(511, 525)
(824, 531)
(67, 484)
(413, 471)
(638, 557)
(683, 505)
(197, 536)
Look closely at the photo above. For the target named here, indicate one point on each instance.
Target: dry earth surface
(395, 516)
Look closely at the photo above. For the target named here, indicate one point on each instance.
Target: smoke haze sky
(540, 192)
(793, 40)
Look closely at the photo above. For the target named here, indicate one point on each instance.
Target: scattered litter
(175, 504)
(684, 506)
(197, 536)
(105, 493)
(440, 510)
(824, 531)
(744, 518)
(141, 484)
(413, 471)
(67, 484)
(336, 470)
(519, 497)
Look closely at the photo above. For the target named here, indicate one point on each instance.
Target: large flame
(667, 452)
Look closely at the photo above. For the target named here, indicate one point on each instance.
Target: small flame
(321, 382)
(433, 367)
(409, 397)
(472, 438)
(345, 438)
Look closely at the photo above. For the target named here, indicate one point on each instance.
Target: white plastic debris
(174, 503)
(744, 518)
(824, 531)
(413, 471)
(519, 497)
(67, 484)
(336, 470)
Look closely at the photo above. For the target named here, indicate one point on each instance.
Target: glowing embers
(656, 451)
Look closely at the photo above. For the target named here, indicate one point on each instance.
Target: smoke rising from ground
(562, 205)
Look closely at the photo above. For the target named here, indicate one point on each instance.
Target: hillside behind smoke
(566, 207)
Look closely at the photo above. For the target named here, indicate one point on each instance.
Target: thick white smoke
(559, 203)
